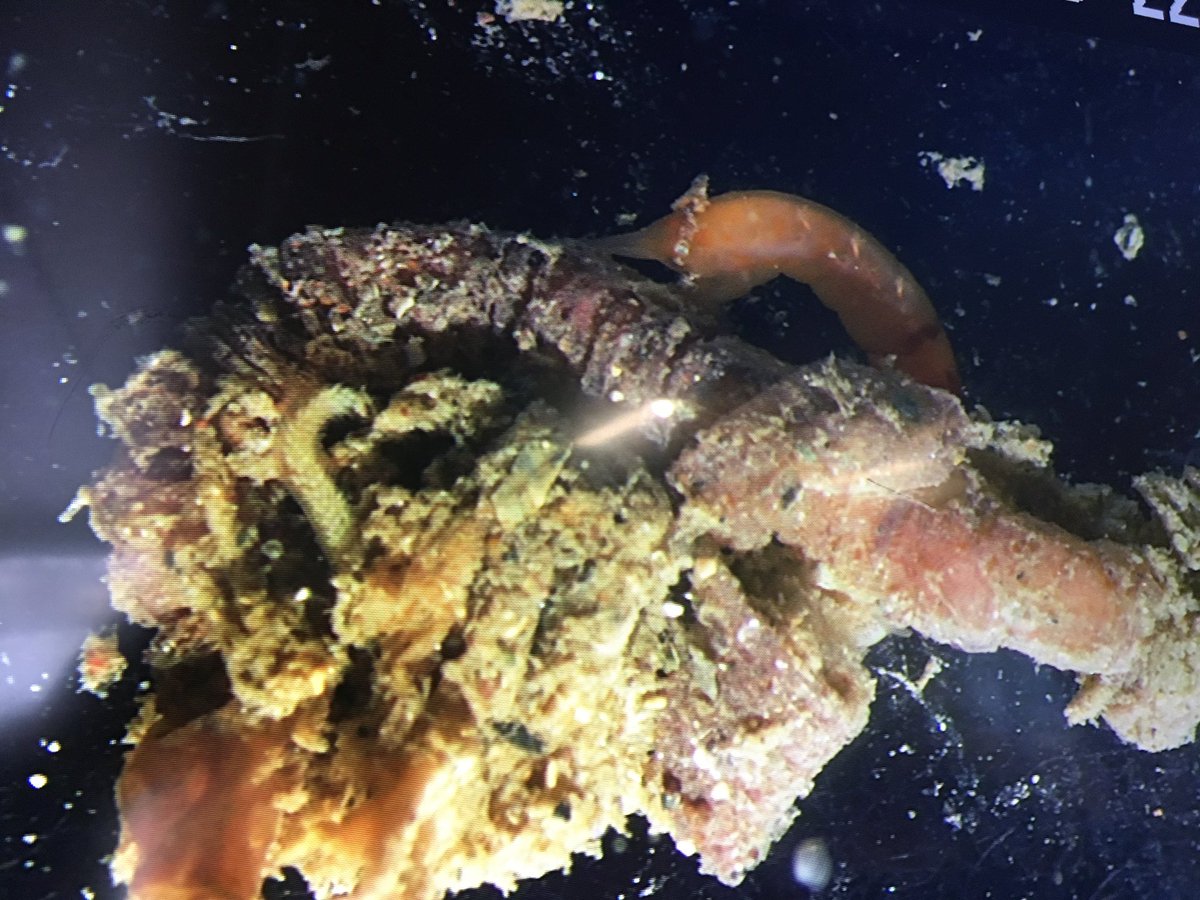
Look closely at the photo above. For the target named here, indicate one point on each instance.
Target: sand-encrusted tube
(504, 639)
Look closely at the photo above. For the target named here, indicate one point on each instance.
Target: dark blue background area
(143, 146)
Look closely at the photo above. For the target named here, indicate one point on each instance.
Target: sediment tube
(422, 631)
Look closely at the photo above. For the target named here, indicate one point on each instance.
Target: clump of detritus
(461, 547)
(378, 591)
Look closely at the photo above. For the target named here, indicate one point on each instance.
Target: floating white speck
(37, 781)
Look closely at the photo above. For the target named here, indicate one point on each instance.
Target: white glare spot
(662, 408)
(37, 781)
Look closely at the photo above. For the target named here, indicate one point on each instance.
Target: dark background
(143, 146)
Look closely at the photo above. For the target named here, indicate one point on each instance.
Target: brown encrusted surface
(418, 636)
(456, 289)
(767, 701)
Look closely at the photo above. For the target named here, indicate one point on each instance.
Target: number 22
(1141, 9)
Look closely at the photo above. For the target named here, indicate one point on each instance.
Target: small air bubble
(812, 865)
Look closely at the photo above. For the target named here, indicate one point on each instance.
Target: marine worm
(307, 474)
(730, 244)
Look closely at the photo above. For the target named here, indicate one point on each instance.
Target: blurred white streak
(48, 604)
(619, 425)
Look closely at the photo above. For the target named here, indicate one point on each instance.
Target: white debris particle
(529, 10)
(314, 65)
(933, 667)
(1130, 237)
(955, 170)
(811, 864)
(1014, 794)
(37, 781)
(29, 838)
